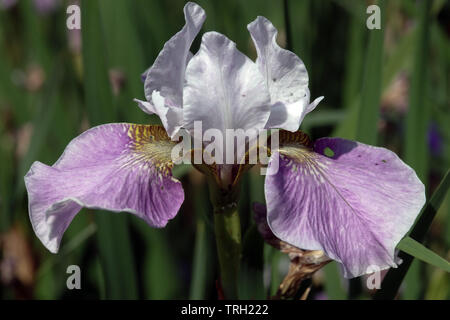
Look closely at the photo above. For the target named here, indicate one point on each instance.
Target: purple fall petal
(355, 204)
(116, 167)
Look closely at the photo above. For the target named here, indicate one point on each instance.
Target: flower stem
(228, 238)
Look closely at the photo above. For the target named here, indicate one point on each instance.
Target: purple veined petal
(353, 201)
(285, 76)
(166, 75)
(224, 89)
(115, 167)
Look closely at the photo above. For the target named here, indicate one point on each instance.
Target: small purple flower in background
(351, 201)
(434, 140)
(6, 4)
(45, 7)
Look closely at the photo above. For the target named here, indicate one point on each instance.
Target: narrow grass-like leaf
(287, 25)
(396, 62)
(200, 263)
(116, 256)
(160, 273)
(302, 30)
(419, 251)
(10, 94)
(251, 285)
(417, 121)
(7, 95)
(126, 57)
(371, 90)
(46, 106)
(37, 46)
(275, 274)
(202, 250)
(356, 9)
(354, 62)
(322, 117)
(417, 117)
(333, 284)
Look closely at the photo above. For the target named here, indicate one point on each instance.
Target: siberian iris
(352, 201)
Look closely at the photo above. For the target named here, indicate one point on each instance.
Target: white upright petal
(289, 116)
(171, 117)
(167, 73)
(146, 106)
(165, 78)
(285, 75)
(286, 116)
(224, 89)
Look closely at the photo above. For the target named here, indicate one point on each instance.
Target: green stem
(227, 228)
(228, 239)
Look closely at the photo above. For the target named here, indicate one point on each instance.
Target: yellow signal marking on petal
(297, 148)
(294, 138)
(151, 149)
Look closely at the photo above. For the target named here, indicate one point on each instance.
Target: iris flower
(352, 201)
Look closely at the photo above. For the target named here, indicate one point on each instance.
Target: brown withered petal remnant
(304, 263)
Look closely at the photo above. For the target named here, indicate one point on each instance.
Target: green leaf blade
(417, 250)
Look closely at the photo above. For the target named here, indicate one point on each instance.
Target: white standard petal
(165, 78)
(285, 75)
(224, 88)
(171, 118)
(167, 73)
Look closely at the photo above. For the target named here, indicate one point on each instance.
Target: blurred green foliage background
(386, 87)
